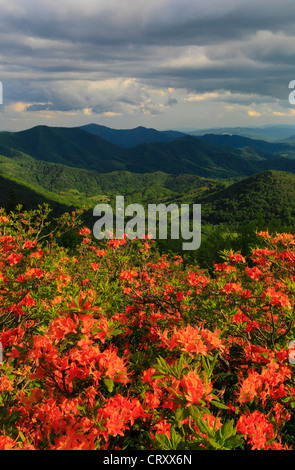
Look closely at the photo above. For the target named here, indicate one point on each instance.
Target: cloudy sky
(167, 64)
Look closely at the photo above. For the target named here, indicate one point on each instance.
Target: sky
(165, 64)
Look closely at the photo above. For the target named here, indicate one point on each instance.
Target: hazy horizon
(180, 129)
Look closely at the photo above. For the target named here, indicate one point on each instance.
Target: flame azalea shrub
(113, 346)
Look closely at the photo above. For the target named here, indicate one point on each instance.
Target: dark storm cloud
(163, 22)
(49, 48)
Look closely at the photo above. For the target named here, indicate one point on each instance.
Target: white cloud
(254, 113)
(202, 96)
(164, 61)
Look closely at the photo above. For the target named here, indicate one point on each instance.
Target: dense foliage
(115, 346)
(264, 197)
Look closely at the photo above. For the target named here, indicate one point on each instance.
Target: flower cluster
(112, 345)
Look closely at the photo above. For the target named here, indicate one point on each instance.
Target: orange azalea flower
(263, 235)
(28, 301)
(61, 326)
(6, 443)
(224, 267)
(84, 231)
(152, 400)
(14, 258)
(37, 254)
(29, 244)
(250, 386)
(276, 297)
(73, 440)
(114, 424)
(237, 257)
(257, 430)
(262, 256)
(268, 384)
(7, 239)
(116, 243)
(34, 272)
(57, 300)
(194, 388)
(94, 266)
(112, 365)
(101, 253)
(197, 279)
(118, 412)
(284, 238)
(6, 385)
(192, 340)
(253, 273)
(42, 346)
(128, 275)
(234, 288)
(163, 427)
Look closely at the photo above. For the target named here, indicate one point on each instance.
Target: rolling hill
(72, 167)
(14, 193)
(237, 141)
(69, 146)
(127, 138)
(78, 148)
(265, 196)
(242, 184)
(79, 186)
(290, 139)
(257, 200)
(193, 155)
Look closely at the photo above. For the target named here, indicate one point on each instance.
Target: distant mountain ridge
(127, 138)
(270, 133)
(78, 148)
(238, 141)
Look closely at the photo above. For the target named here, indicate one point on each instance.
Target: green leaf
(218, 404)
(227, 430)
(180, 366)
(21, 435)
(204, 428)
(163, 441)
(109, 383)
(214, 443)
(182, 413)
(194, 412)
(175, 438)
(233, 442)
(158, 375)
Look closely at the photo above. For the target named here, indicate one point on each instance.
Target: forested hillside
(78, 148)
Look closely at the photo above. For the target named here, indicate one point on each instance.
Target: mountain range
(127, 138)
(283, 148)
(270, 133)
(232, 176)
(206, 156)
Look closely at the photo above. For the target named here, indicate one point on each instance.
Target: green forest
(241, 183)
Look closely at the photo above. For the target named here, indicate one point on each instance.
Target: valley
(241, 182)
